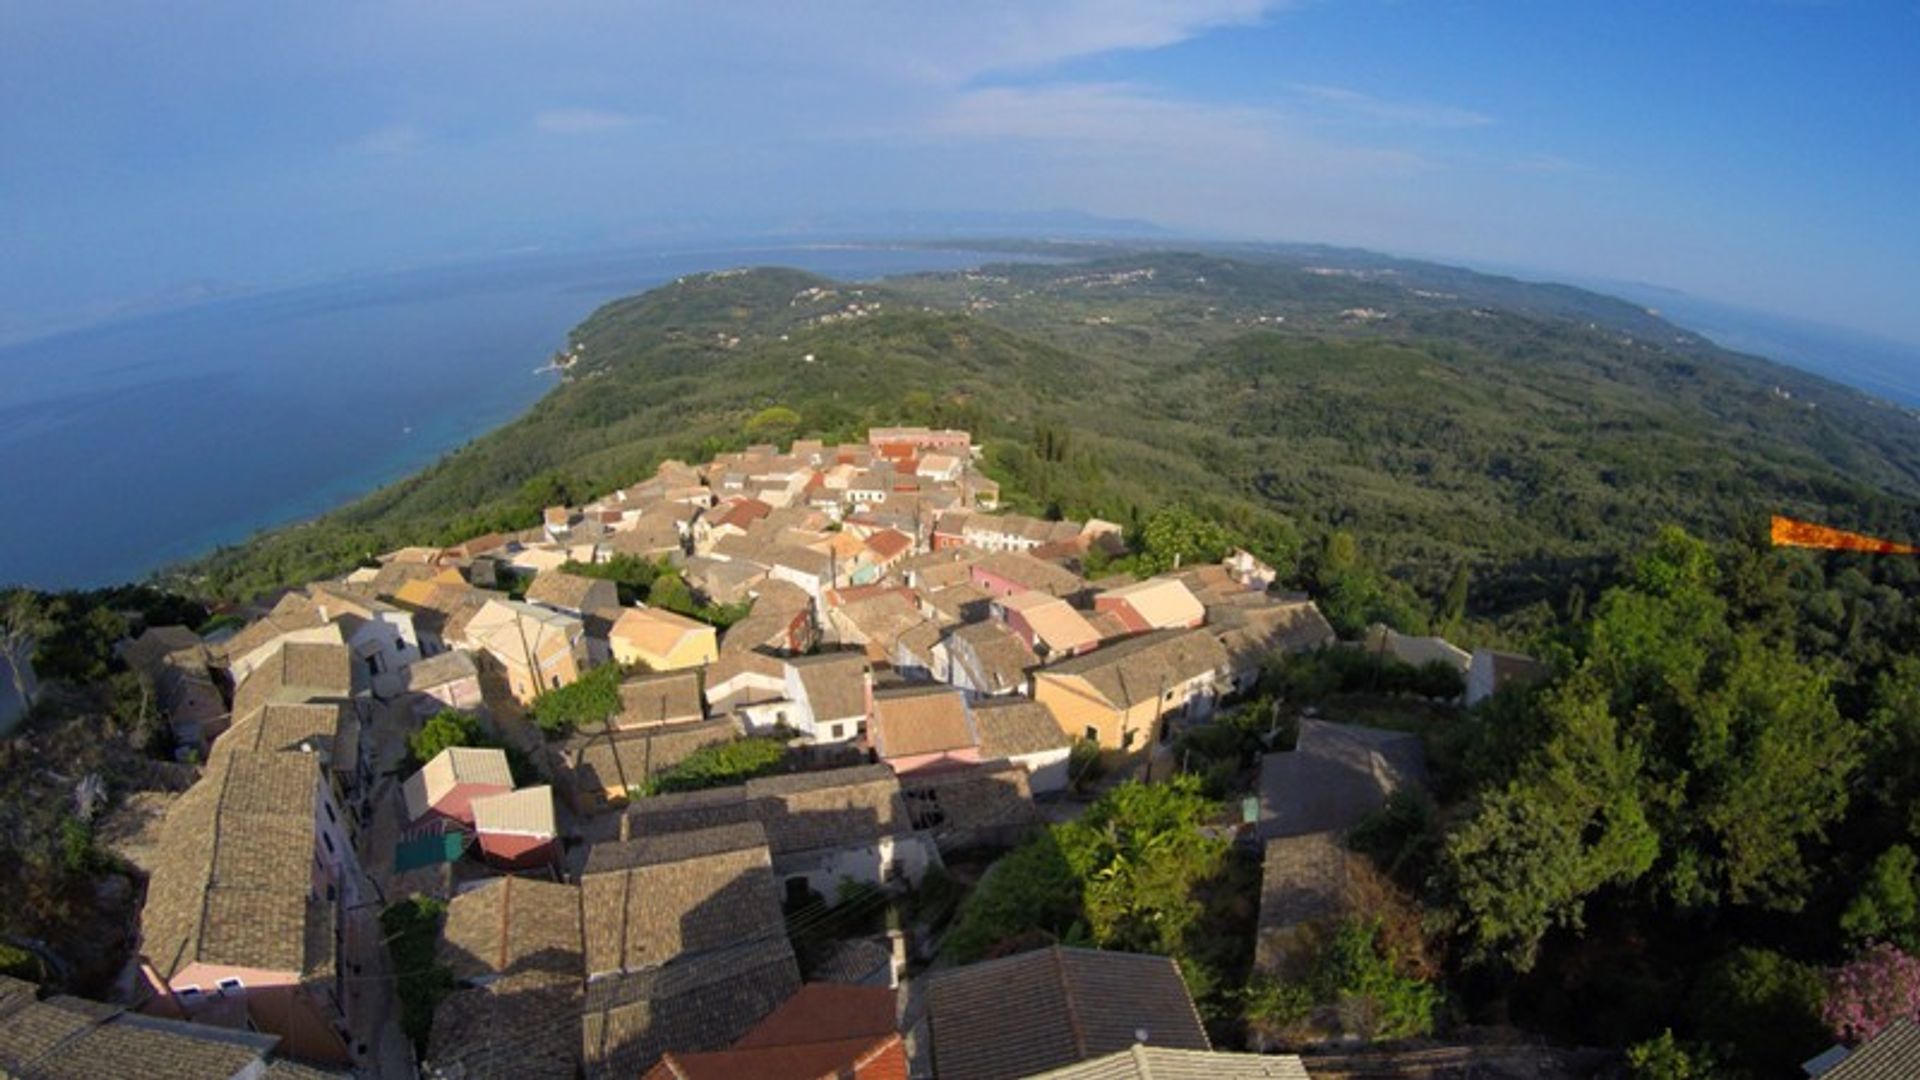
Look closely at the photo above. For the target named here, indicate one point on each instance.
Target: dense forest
(1288, 396)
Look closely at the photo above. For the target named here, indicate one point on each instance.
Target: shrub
(1357, 973)
(1759, 1008)
(1875, 988)
(1665, 1058)
(412, 928)
(18, 963)
(719, 765)
(1275, 1005)
(446, 728)
(586, 702)
(1887, 907)
(1399, 837)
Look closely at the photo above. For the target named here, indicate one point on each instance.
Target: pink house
(448, 785)
(517, 830)
(923, 729)
(1051, 627)
(243, 917)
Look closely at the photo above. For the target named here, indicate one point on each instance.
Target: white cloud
(394, 140)
(582, 121)
(1190, 136)
(1419, 114)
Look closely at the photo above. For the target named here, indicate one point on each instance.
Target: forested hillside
(1289, 395)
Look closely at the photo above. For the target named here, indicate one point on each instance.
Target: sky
(1764, 154)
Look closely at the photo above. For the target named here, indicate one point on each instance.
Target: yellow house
(539, 649)
(1122, 695)
(662, 640)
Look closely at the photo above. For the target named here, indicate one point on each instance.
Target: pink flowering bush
(1879, 985)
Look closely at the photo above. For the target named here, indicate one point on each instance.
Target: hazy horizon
(1745, 155)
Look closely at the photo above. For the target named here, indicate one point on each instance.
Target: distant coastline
(155, 439)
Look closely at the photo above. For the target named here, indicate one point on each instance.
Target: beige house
(539, 649)
(1160, 603)
(1123, 695)
(662, 640)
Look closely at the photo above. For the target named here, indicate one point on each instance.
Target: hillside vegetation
(1290, 395)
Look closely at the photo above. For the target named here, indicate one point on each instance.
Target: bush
(1664, 1058)
(1875, 988)
(1315, 676)
(1085, 764)
(1275, 1005)
(18, 963)
(1759, 1008)
(588, 701)
(719, 765)
(446, 728)
(670, 591)
(412, 929)
(1127, 875)
(1357, 973)
(1400, 837)
(631, 574)
(1887, 907)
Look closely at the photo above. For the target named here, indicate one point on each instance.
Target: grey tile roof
(231, 881)
(1024, 1014)
(450, 666)
(1335, 776)
(665, 698)
(647, 901)
(1894, 1054)
(982, 804)
(588, 766)
(66, 1037)
(701, 1002)
(514, 927)
(997, 657)
(1140, 668)
(1013, 726)
(298, 671)
(1164, 1063)
(801, 812)
(572, 592)
(522, 1026)
(835, 684)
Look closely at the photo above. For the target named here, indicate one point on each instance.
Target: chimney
(626, 828)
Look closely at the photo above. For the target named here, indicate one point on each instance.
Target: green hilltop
(1446, 419)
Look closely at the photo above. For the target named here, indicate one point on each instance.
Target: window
(400, 643)
(231, 986)
(190, 993)
(1126, 741)
(373, 664)
(1092, 734)
(330, 814)
(838, 730)
(556, 682)
(327, 838)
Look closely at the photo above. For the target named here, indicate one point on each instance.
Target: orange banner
(1788, 532)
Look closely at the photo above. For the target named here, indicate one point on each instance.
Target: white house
(832, 694)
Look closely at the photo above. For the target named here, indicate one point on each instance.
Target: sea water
(130, 446)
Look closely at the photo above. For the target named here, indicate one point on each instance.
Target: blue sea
(1883, 368)
(130, 446)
